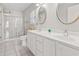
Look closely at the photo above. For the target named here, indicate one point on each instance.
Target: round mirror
(67, 13)
(41, 15)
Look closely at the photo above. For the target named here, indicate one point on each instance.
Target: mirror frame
(60, 19)
(45, 16)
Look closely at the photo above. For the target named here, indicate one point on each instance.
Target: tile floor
(14, 48)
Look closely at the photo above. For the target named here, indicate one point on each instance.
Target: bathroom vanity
(42, 43)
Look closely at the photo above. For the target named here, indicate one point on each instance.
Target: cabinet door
(33, 37)
(31, 42)
(63, 50)
(40, 46)
(49, 47)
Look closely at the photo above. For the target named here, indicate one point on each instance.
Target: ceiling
(16, 6)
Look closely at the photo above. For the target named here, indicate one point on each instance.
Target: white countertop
(71, 41)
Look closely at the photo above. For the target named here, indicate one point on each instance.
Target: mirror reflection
(66, 13)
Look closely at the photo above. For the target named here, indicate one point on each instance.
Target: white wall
(52, 20)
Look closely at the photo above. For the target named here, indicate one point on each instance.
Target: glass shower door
(13, 26)
(9, 27)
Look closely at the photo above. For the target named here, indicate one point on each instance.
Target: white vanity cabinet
(32, 43)
(35, 43)
(46, 46)
(49, 47)
(31, 38)
(65, 50)
(39, 45)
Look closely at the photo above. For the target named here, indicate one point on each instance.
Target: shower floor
(13, 48)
